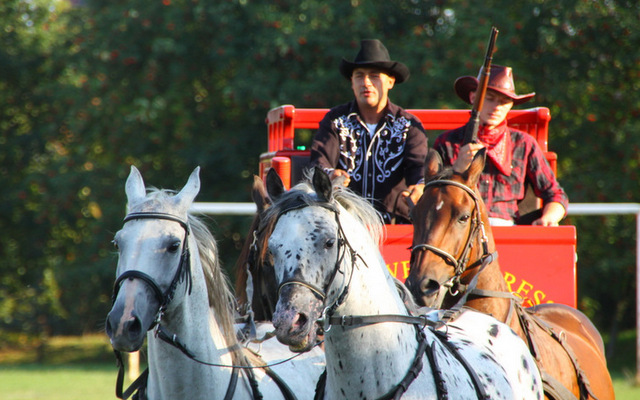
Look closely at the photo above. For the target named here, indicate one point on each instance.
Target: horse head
(449, 236)
(153, 259)
(255, 285)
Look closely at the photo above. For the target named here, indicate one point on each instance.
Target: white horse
(328, 264)
(168, 277)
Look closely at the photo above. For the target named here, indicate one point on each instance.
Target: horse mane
(221, 298)
(303, 194)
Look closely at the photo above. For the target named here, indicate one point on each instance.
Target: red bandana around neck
(498, 144)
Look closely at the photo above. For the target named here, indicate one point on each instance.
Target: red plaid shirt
(501, 193)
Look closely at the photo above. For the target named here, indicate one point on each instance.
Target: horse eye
(464, 218)
(330, 243)
(115, 244)
(174, 247)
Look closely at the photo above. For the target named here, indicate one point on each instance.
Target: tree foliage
(90, 89)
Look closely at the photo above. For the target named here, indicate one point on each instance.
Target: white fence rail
(574, 209)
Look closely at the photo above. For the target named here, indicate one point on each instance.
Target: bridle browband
(183, 271)
(477, 231)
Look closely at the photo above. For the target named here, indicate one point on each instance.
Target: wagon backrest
(283, 121)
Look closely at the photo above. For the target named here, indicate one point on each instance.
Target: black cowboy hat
(373, 54)
(500, 80)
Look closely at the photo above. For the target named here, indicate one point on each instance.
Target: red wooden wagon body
(539, 263)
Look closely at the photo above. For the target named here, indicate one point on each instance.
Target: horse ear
(259, 194)
(322, 184)
(472, 174)
(134, 188)
(432, 165)
(275, 187)
(189, 192)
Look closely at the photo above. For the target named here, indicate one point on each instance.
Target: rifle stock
(471, 131)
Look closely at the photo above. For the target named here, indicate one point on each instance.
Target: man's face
(495, 108)
(371, 87)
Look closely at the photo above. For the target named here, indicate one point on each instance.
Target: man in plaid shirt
(513, 157)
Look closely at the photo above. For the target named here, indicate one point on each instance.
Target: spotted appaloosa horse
(171, 290)
(453, 246)
(326, 258)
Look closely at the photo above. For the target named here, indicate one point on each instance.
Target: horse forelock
(444, 174)
(303, 195)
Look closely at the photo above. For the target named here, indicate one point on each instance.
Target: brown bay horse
(454, 262)
(254, 276)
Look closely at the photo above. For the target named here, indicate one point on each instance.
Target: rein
(164, 298)
(477, 231)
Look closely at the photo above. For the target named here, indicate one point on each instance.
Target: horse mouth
(426, 293)
(295, 329)
(295, 318)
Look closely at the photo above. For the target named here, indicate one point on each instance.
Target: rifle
(471, 131)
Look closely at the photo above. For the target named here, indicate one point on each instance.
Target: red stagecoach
(539, 263)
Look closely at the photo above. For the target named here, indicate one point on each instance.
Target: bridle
(477, 232)
(343, 246)
(183, 272)
(163, 297)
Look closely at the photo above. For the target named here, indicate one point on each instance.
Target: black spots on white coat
(493, 331)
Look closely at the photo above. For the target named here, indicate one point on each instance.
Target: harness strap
(286, 391)
(321, 386)
(139, 385)
(524, 319)
(358, 320)
(583, 381)
(397, 392)
(553, 389)
(441, 384)
(233, 383)
(284, 388)
(172, 339)
(482, 394)
(413, 372)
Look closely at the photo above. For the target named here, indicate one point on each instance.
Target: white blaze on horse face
(130, 292)
(439, 206)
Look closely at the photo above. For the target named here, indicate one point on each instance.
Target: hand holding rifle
(471, 132)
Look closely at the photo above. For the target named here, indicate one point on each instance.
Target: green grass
(53, 382)
(74, 368)
(84, 369)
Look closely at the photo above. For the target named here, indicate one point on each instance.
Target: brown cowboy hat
(500, 80)
(373, 54)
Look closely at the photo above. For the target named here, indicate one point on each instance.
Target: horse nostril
(429, 286)
(108, 327)
(301, 321)
(133, 328)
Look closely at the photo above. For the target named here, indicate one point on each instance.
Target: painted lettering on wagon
(525, 291)
(399, 269)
